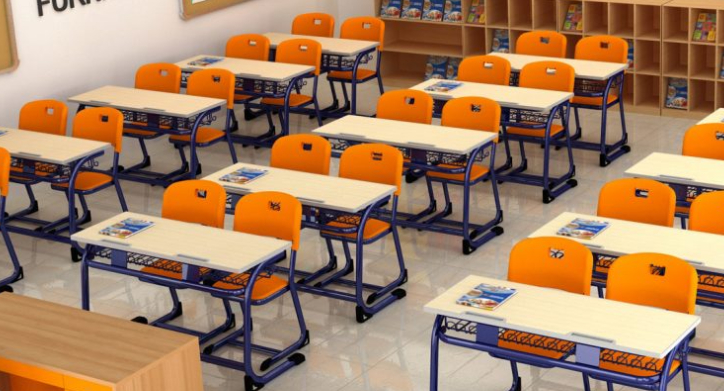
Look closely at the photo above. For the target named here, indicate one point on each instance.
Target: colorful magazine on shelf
(677, 94)
(721, 71)
(444, 86)
(486, 297)
(243, 175)
(453, 11)
(477, 12)
(433, 10)
(705, 28)
(501, 41)
(630, 53)
(205, 61)
(390, 8)
(126, 228)
(453, 64)
(583, 229)
(436, 67)
(574, 18)
(411, 9)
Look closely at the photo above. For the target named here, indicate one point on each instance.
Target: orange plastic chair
(210, 83)
(485, 69)
(363, 28)
(639, 200)
(316, 24)
(249, 47)
(302, 152)
(706, 140)
(4, 189)
(707, 213)
(542, 43)
(44, 116)
(406, 105)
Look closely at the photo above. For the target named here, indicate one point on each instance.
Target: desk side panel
(178, 371)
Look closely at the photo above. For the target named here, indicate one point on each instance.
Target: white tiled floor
(391, 351)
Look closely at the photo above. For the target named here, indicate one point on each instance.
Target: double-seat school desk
(447, 151)
(597, 82)
(522, 107)
(716, 117)
(704, 251)
(51, 347)
(330, 204)
(207, 255)
(590, 325)
(258, 79)
(157, 112)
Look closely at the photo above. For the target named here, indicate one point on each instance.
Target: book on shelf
(574, 18)
(486, 297)
(705, 27)
(583, 229)
(630, 53)
(721, 71)
(412, 9)
(453, 64)
(243, 175)
(477, 12)
(436, 67)
(205, 61)
(443, 86)
(501, 41)
(453, 11)
(126, 228)
(433, 10)
(390, 8)
(677, 94)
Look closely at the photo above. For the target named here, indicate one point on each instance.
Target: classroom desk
(60, 348)
(594, 79)
(345, 55)
(591, 324)
(327, 199)
(702, 250)
(213, 255)
(255, 79)
(40, 157)
(429, 148)
(160, 112)
(521, 107)
(716, 117)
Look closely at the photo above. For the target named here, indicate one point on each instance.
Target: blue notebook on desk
(243, 175)
(443, 86)
(583, 229)
(204, 62)
(126, 228)
(486, 297)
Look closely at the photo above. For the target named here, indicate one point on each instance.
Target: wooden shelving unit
(661, 32)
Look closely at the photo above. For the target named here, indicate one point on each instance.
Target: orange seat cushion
(169, 269)
(143, 133)
(203, 136)
(682, 209)
(263, 287)
(242, 97)
(87, 181)
(362, 74)
(373, 227)
(475, 173)
(592, 101)
(543, 346)
(632, 364)
(294, 100)
(555, 129)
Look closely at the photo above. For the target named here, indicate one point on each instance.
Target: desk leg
(17, 273)
(435, 352)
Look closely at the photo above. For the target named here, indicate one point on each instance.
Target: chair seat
(555, 129)
(263, 287)
(295, 100)
(633, 364)
(143, 133)
(87, 181)
(243, 98)
(373, 228)
(362, 75)
(682, 210)
(534, 344)
(592, 101)
(203, 136)
(169, 269)
(475, 173)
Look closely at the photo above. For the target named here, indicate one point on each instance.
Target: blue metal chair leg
(435, 353)
(335, 100)
(586, 383)
(517, 384)
(17, 273)
(609, 386)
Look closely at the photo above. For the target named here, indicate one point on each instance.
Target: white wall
(62, 54)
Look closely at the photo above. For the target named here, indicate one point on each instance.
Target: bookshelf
(661, 32)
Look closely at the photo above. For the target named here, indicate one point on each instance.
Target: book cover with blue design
(126, 228)
(486, 297)
(243, 175)
(583, 229)
(444, 86)
(205, 61)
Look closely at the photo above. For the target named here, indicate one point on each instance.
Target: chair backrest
(406, 105)
(45, 116)
(654, 280)
(100, 124)
(475, 113)
(195, 201)
(364, 28)
(213, 83)
(270, 213)
(160, 77)
(604, 48)
(552, 262)
(485, 69)
(300, 51)
(4, 171)
(302, 152)
(317, 24)
(707, 213)
(640, 200)
(542, 43)
(548, 75)
(378, 163)
(706, 140)
(248, 46)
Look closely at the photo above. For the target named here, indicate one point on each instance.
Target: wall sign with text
(193, 8)
(61, 5)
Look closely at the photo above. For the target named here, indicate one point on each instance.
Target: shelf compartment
(595, 18)
(648, 22)
(720, 27)
(719, 63)
(647, 91)
(521, 14)
(702, 62)
(628, 89)
(675, 59)
(490, 36)
(693, 17)
(403, 70)
(621, 20)
(563, 11)
(720, 94)
(474, 41)
(514, 35)
(676, 24)
(647, 57)
(496, 13)
(424, 38)
(544, 15)
(572, 41)
(702, 95)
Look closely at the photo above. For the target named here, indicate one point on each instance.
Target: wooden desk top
(146, 101)
(406, 134)
(572, 317)
(49, 148)
(704, 251)
(215, 248)
(321, 191)
(683, 170)
(716, 117)
(85, 345)
(591, 70)
(251, 69)
(334, 46)
(509, 97)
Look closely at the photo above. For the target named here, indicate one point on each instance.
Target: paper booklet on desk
(583, 229)
(443, 86)
(126, 228)
(205, 61)
(243, 175)
(486, 297)
(3, 132)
